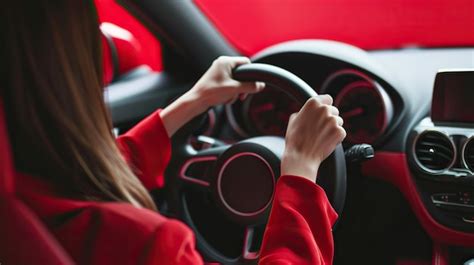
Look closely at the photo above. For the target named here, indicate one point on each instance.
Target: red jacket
(298, 232)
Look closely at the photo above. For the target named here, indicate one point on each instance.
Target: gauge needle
(352, 113)
(264, 107)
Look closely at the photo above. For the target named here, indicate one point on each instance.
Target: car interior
(401, 74)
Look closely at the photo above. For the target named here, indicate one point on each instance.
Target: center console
(441, 152)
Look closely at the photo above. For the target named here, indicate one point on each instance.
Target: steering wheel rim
(332, 177)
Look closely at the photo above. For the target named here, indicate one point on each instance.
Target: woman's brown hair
(52, 87)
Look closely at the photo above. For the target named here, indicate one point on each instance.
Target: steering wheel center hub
(245, 184)
(245, 179)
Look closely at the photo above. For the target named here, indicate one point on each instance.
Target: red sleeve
(173, 243)
(299, 230)
(147, 149)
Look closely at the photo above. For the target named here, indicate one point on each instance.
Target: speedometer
(363, 104)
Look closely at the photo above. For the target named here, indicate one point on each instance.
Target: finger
(250, 87)
(342, 134)
(240, 60)
(243, 96)
(339, 120)
(311, 103)
(292, 117)
(230, 63)
(334, 111)
(290, 121)
(325, 99)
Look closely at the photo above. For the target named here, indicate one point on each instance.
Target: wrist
(197, 97)
(299, 165)
(181, 111)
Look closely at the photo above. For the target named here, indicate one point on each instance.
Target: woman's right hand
(312, 135)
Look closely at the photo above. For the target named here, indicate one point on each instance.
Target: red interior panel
(252, 25)
(127, 47)
(146, 48)
(25, 240)
(393, 168)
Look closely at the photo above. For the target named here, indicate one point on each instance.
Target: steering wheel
(225, 193)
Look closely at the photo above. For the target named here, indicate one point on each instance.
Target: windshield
(252, 25)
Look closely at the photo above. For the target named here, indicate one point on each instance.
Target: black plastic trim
(113, 54)
(185, 27)
(133, 99)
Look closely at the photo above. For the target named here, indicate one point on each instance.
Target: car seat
(24, 239)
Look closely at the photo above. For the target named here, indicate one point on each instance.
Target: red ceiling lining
(252, 25)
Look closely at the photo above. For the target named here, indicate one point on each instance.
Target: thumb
(250, 87)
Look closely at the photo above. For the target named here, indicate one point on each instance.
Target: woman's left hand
(215, 87)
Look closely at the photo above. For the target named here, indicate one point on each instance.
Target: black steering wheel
(225, 193)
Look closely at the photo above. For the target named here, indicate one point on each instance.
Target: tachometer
(268, 112)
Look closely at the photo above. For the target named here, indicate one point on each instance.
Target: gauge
(366, 110)
(268, 112)
(363, 103)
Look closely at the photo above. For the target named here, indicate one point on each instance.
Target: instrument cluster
(363, 103)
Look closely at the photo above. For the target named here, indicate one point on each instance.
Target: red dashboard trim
(393, 168)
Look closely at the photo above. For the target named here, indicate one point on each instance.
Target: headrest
(125, 48)
(6, 162)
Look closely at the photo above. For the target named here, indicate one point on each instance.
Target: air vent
(434, 151)
(468, 154)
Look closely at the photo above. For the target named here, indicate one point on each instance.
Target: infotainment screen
(453, 97)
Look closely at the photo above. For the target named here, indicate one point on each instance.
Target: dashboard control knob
(359, 153)
(456, 202)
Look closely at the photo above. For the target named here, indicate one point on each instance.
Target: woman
(73, 173)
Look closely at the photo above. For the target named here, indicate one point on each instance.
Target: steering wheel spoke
(194, 171)
(247, 253)
(197, 166)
